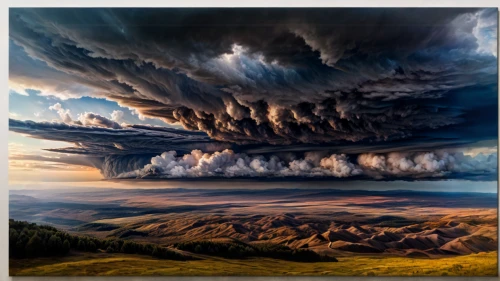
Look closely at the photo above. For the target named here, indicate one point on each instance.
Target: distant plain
(370, 232)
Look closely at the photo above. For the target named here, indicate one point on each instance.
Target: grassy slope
(483, 264)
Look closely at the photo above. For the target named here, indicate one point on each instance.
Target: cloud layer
(130, 152)
(434, 163)
(314, 164)
(275, 75)
(101, 140)
(375, 93)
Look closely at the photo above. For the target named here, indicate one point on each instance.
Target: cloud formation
(127, 152)
(88, 118)
(229, 164)
(101, 140)
(64, 114)
(434, 163)
(117, 116)
(393, 165)
(375, 93)
(277, 76)
(92, 119)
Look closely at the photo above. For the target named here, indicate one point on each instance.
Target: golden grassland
(103, 264)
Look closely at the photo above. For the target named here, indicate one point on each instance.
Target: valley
(395, 228)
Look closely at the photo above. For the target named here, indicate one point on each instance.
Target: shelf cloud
(377, 91)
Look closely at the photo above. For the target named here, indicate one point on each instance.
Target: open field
(103, 264)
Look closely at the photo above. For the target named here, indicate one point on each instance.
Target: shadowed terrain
(330, 222)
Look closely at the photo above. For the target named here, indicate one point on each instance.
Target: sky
(397, 94)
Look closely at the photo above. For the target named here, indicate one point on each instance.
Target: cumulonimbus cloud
(272, 81)
(277, 76)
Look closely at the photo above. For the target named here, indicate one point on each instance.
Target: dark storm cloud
(151, 140)
(99, 141)
(134, 151)
(277, 76)
(113, 151)
(272, 85)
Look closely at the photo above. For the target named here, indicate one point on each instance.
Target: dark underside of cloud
(134, 152)
(271, 84)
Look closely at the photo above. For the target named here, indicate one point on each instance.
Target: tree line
(28, 240)
(240, 250)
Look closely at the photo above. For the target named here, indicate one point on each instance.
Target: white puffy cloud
(436, 163)
(314, 164)
(229, 164)
(88, 118)
(93, 119)
(64, 114)
(117, 116)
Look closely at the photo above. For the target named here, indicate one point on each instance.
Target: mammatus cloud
(229, 164)
(277, 76)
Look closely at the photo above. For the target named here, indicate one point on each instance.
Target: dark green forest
(28, 240)
(239, 250)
